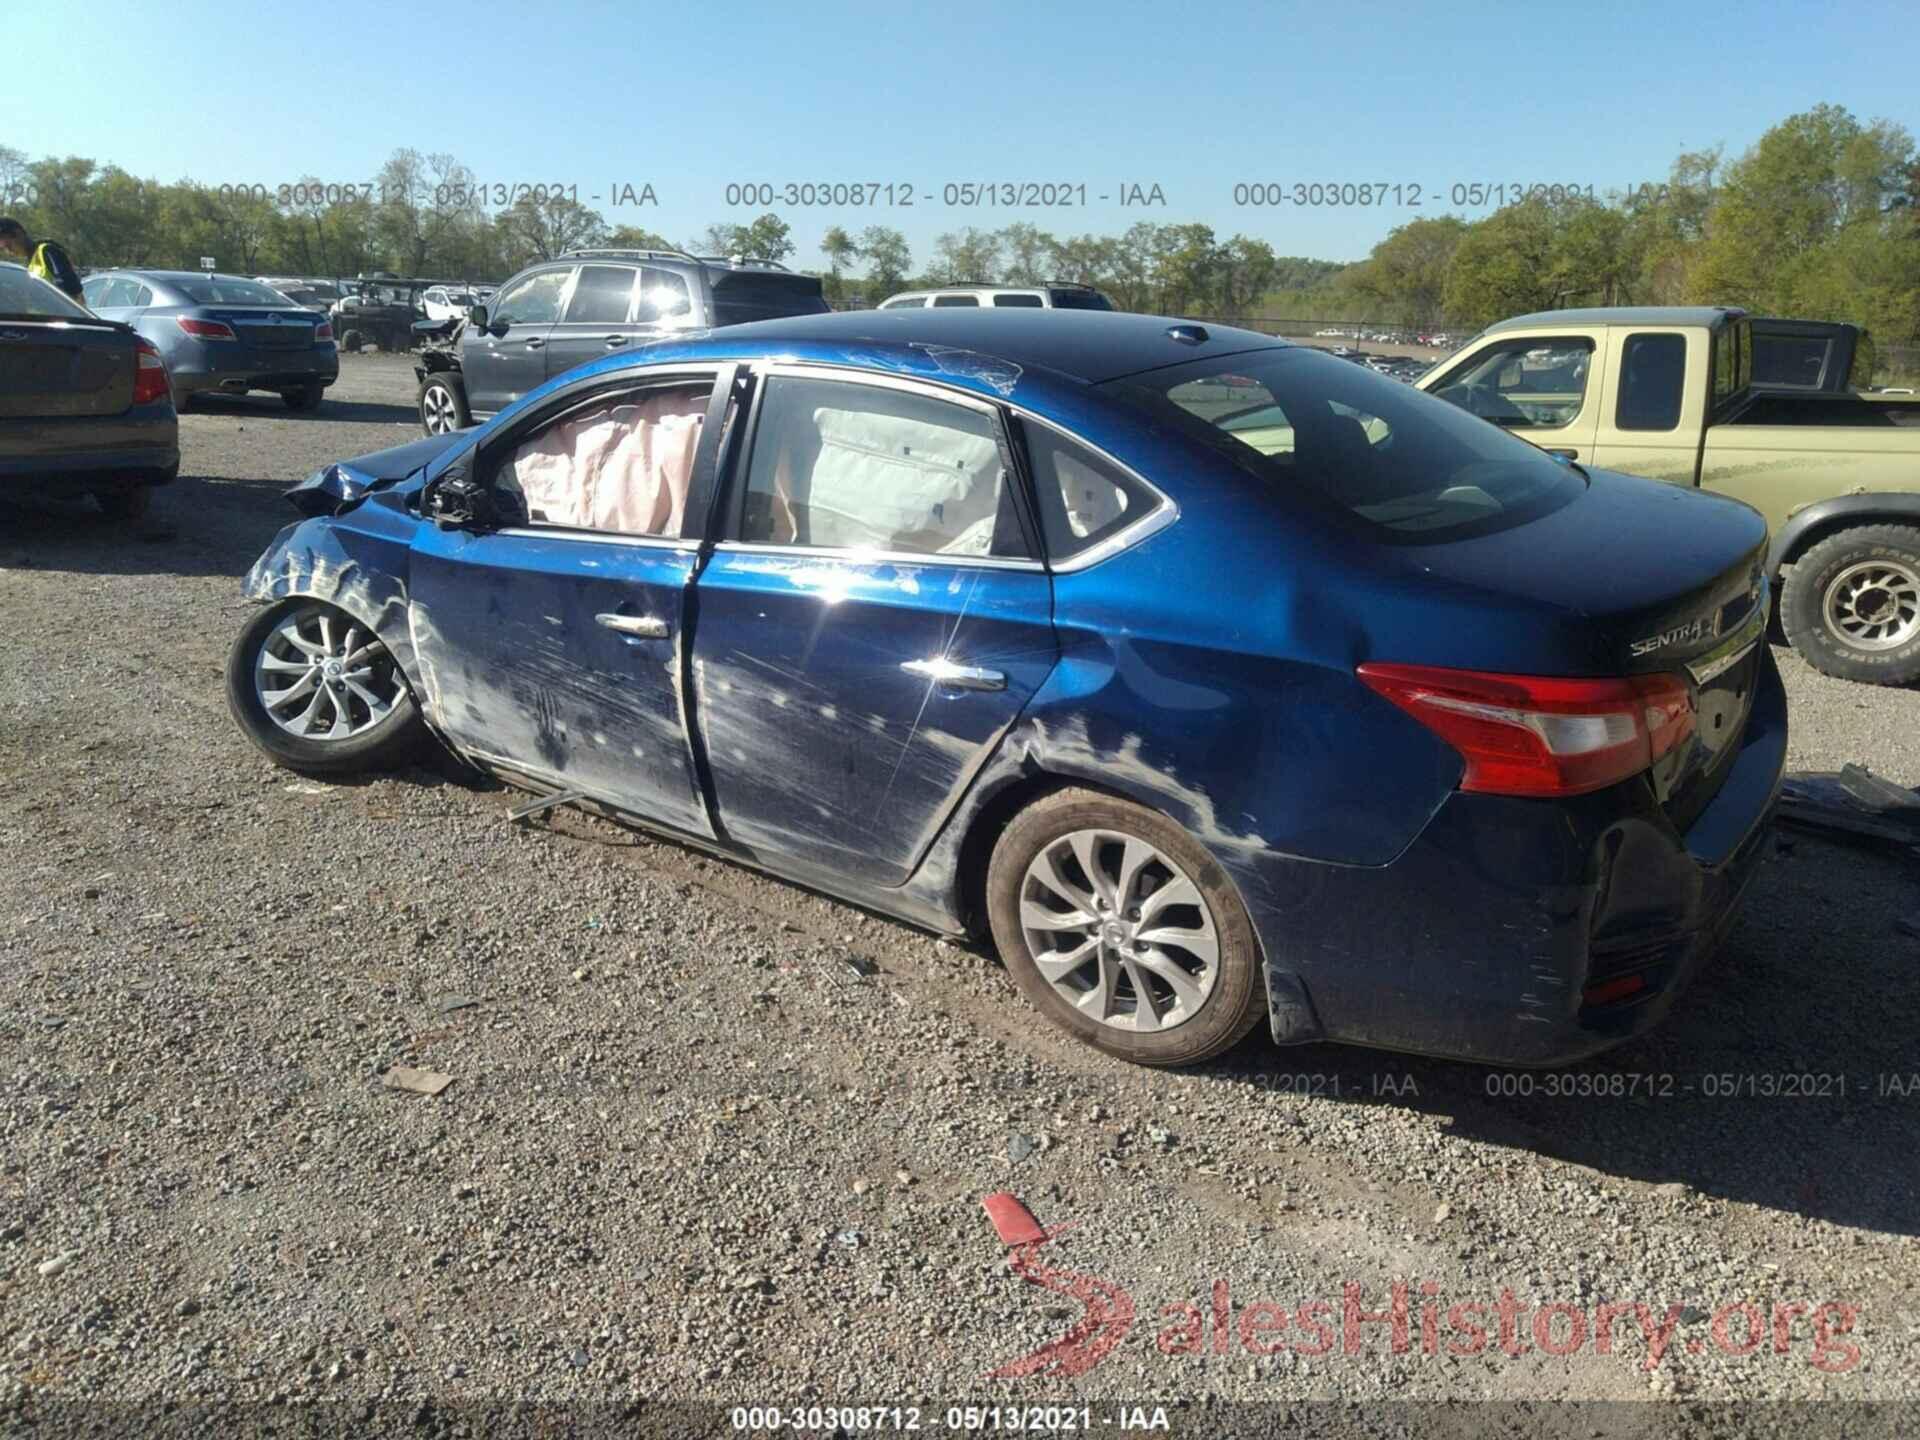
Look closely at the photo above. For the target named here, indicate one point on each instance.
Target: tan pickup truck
(1759, 409)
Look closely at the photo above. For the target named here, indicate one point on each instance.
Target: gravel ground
(711, 1137)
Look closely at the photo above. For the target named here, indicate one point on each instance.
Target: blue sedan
(1215, 677)
(222, 334)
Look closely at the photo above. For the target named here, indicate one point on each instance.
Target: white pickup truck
(1759, 409)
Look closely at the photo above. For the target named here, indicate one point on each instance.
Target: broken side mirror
(456, 501)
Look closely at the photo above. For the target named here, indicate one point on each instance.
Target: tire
(379, 743)
(1065, 826)
(126, 504)
(1851, 607)
(307, 397)
(353, 342)
(443, 404)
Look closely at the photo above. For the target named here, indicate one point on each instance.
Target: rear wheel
(307, 397)
(443, 404)
(1851, 607)
(315, 690)
(1121, 929)
(353, 341)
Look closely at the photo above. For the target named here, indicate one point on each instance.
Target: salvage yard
(712, 1137)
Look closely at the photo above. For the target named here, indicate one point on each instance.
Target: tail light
(206, 329)
(1540, 735)
(150, 374)
(322, 333)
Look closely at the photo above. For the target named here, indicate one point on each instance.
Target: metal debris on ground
(1853, 802)
(447, 1004)
(520, 814)
(419, 1082)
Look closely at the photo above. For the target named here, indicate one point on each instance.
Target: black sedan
(85, 403)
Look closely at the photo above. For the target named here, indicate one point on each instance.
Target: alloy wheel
(319, 676)
(1874, 605)
(440, 413)
(1119, 930)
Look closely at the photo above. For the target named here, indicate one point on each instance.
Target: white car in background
(448, 302)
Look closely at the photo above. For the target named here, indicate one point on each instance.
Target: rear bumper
(79, 452)
(242, 369)
(1484, 938)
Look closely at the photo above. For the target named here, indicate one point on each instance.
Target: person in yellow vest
(47, 260)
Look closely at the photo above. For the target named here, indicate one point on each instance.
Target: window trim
(741, 466)
(488, 454)
(1628, 336)
(572, 268)
(1151, 522)
(573, 289)
(1594, 349)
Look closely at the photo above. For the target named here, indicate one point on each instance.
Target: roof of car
(1707, 315)
(1088, 345)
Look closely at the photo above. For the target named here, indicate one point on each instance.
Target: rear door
(554, 647)
(1653, 421)
(509, 358)
(872, 622)
(598, 319)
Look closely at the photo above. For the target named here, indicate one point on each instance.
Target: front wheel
(1851, 607)
(443, 405)
(315, 690)
(1122, 930)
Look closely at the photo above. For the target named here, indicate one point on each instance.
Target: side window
(956, 300)
(534, 301)
(1726, 370)
(141, 296)
(849, 466)
(116, 292)
(619, 463)
(1536, 384)
(1083, 498)
(1019, 302)
(94, 292)
(663, 296)
(1653, 375)
(918, 302)
(602, 295)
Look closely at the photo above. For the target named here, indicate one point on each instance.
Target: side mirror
(477, 317)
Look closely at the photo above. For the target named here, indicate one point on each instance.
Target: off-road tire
(1235, 1003)
(1803, 604)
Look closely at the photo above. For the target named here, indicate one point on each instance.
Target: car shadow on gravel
(1787, 1076)
(198, 525)
(270, 407)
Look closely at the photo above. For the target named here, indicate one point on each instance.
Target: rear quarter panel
(1781, 469)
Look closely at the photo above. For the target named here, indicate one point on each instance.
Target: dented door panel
(521, 641)
(823, 746)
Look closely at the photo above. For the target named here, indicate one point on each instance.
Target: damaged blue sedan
(1214, 677)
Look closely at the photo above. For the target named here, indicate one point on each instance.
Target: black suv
(560, 313)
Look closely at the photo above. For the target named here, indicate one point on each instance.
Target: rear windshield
(1408, 466)
(27, 297)
(1079, 300)
(743, 296)
(1799, 361)
(214, 290)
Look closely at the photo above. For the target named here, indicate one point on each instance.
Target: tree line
(1819, 219)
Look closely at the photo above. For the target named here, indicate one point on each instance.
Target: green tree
(1407, 272)
(888, 260)
(1503, 265)
(539, 229)
(841, 251)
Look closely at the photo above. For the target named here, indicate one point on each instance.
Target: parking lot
(712, 1137)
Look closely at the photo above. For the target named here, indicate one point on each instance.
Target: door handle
(645, 626)
(613, 340)
(535, 343)
(954, 676)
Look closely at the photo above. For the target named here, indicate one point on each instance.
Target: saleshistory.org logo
(1412, 1315)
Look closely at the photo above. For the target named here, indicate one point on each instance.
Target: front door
(1544, 388)
(553, 647)
(871, 626)
(509, 358)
